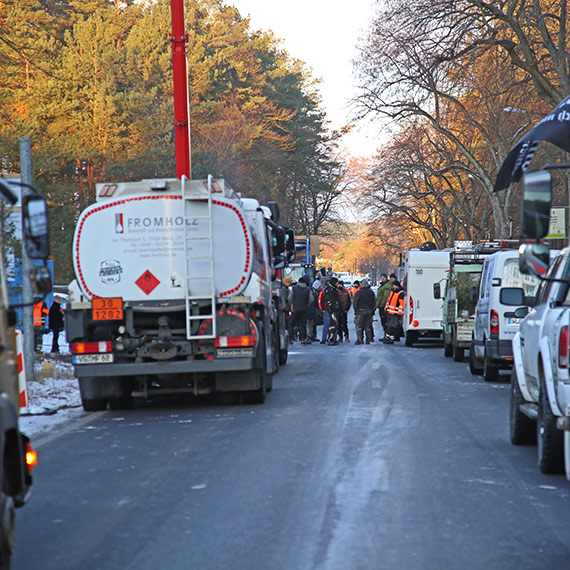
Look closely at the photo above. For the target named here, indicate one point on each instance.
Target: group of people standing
(326, 302)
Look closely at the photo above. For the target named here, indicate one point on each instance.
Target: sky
(323, 34)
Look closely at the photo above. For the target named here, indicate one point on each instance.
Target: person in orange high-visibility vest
(394, 309)
(40, 314)
(355, 288)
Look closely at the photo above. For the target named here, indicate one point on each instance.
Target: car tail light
(411, 309)
(563, 348)
(234, 341)
(91, 347)
(494, 323)
(31, 458)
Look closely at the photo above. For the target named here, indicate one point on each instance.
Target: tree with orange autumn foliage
(447, 72)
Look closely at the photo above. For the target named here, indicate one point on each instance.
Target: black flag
(554, 128)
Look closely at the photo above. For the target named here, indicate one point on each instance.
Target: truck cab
(16, 454)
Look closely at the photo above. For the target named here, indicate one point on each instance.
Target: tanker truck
(173, 293)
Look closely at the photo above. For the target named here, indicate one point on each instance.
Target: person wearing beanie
(355, 287)
(364, 306)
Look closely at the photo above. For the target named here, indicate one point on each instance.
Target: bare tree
(444, 62)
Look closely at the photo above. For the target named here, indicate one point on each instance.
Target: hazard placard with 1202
(107, 308)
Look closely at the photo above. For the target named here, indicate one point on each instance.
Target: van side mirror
(436, 291)
(278, 261)
(274, 208)
(290, 251)
(536, 203)
(41, 281)
(35, 226)
(534, 259)
(277, 236)
(512, 296)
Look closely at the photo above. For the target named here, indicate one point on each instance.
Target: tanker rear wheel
(92, 394)
(257, 396)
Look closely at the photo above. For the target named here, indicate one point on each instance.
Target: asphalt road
(363, 457)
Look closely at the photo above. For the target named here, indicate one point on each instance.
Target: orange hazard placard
(107, 309)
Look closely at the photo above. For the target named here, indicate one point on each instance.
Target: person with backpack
(331, 304)
(364, 306)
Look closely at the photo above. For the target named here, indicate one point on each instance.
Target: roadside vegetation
(90, 81)
(458, 83)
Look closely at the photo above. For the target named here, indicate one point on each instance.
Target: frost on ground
(53, 397)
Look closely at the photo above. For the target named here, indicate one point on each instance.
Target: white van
(423, 313)
(502, 289)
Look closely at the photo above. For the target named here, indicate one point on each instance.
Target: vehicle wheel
(411, 337)
(474, 368)
(490, 372)
(268, 382)
(94, 404)
(227, 398)
(447, 349)
(567, 454)
(92, 394)
(458, 354)
(8, 515)
(549, 438)
(256, 396)
(123, 403)
(118, 393)
(522, 429)
(283, 355)
(275, 350)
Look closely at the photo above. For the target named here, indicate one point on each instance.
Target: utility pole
(27, 266)
(179, 38)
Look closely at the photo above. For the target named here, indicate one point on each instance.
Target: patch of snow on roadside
(53, 397)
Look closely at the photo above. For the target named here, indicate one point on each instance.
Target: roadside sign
(557, 228)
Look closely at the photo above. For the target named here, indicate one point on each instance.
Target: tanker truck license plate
(107, 309)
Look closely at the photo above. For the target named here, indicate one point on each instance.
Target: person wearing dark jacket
(364, 304)
(382, 296)
(301, 299)
(346, 304)
(331, 304)
(55, 318)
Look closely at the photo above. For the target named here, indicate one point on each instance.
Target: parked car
(502, 289)
(540, 380)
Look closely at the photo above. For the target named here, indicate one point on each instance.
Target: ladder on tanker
(199, 254)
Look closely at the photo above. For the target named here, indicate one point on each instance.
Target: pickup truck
(540, 380)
